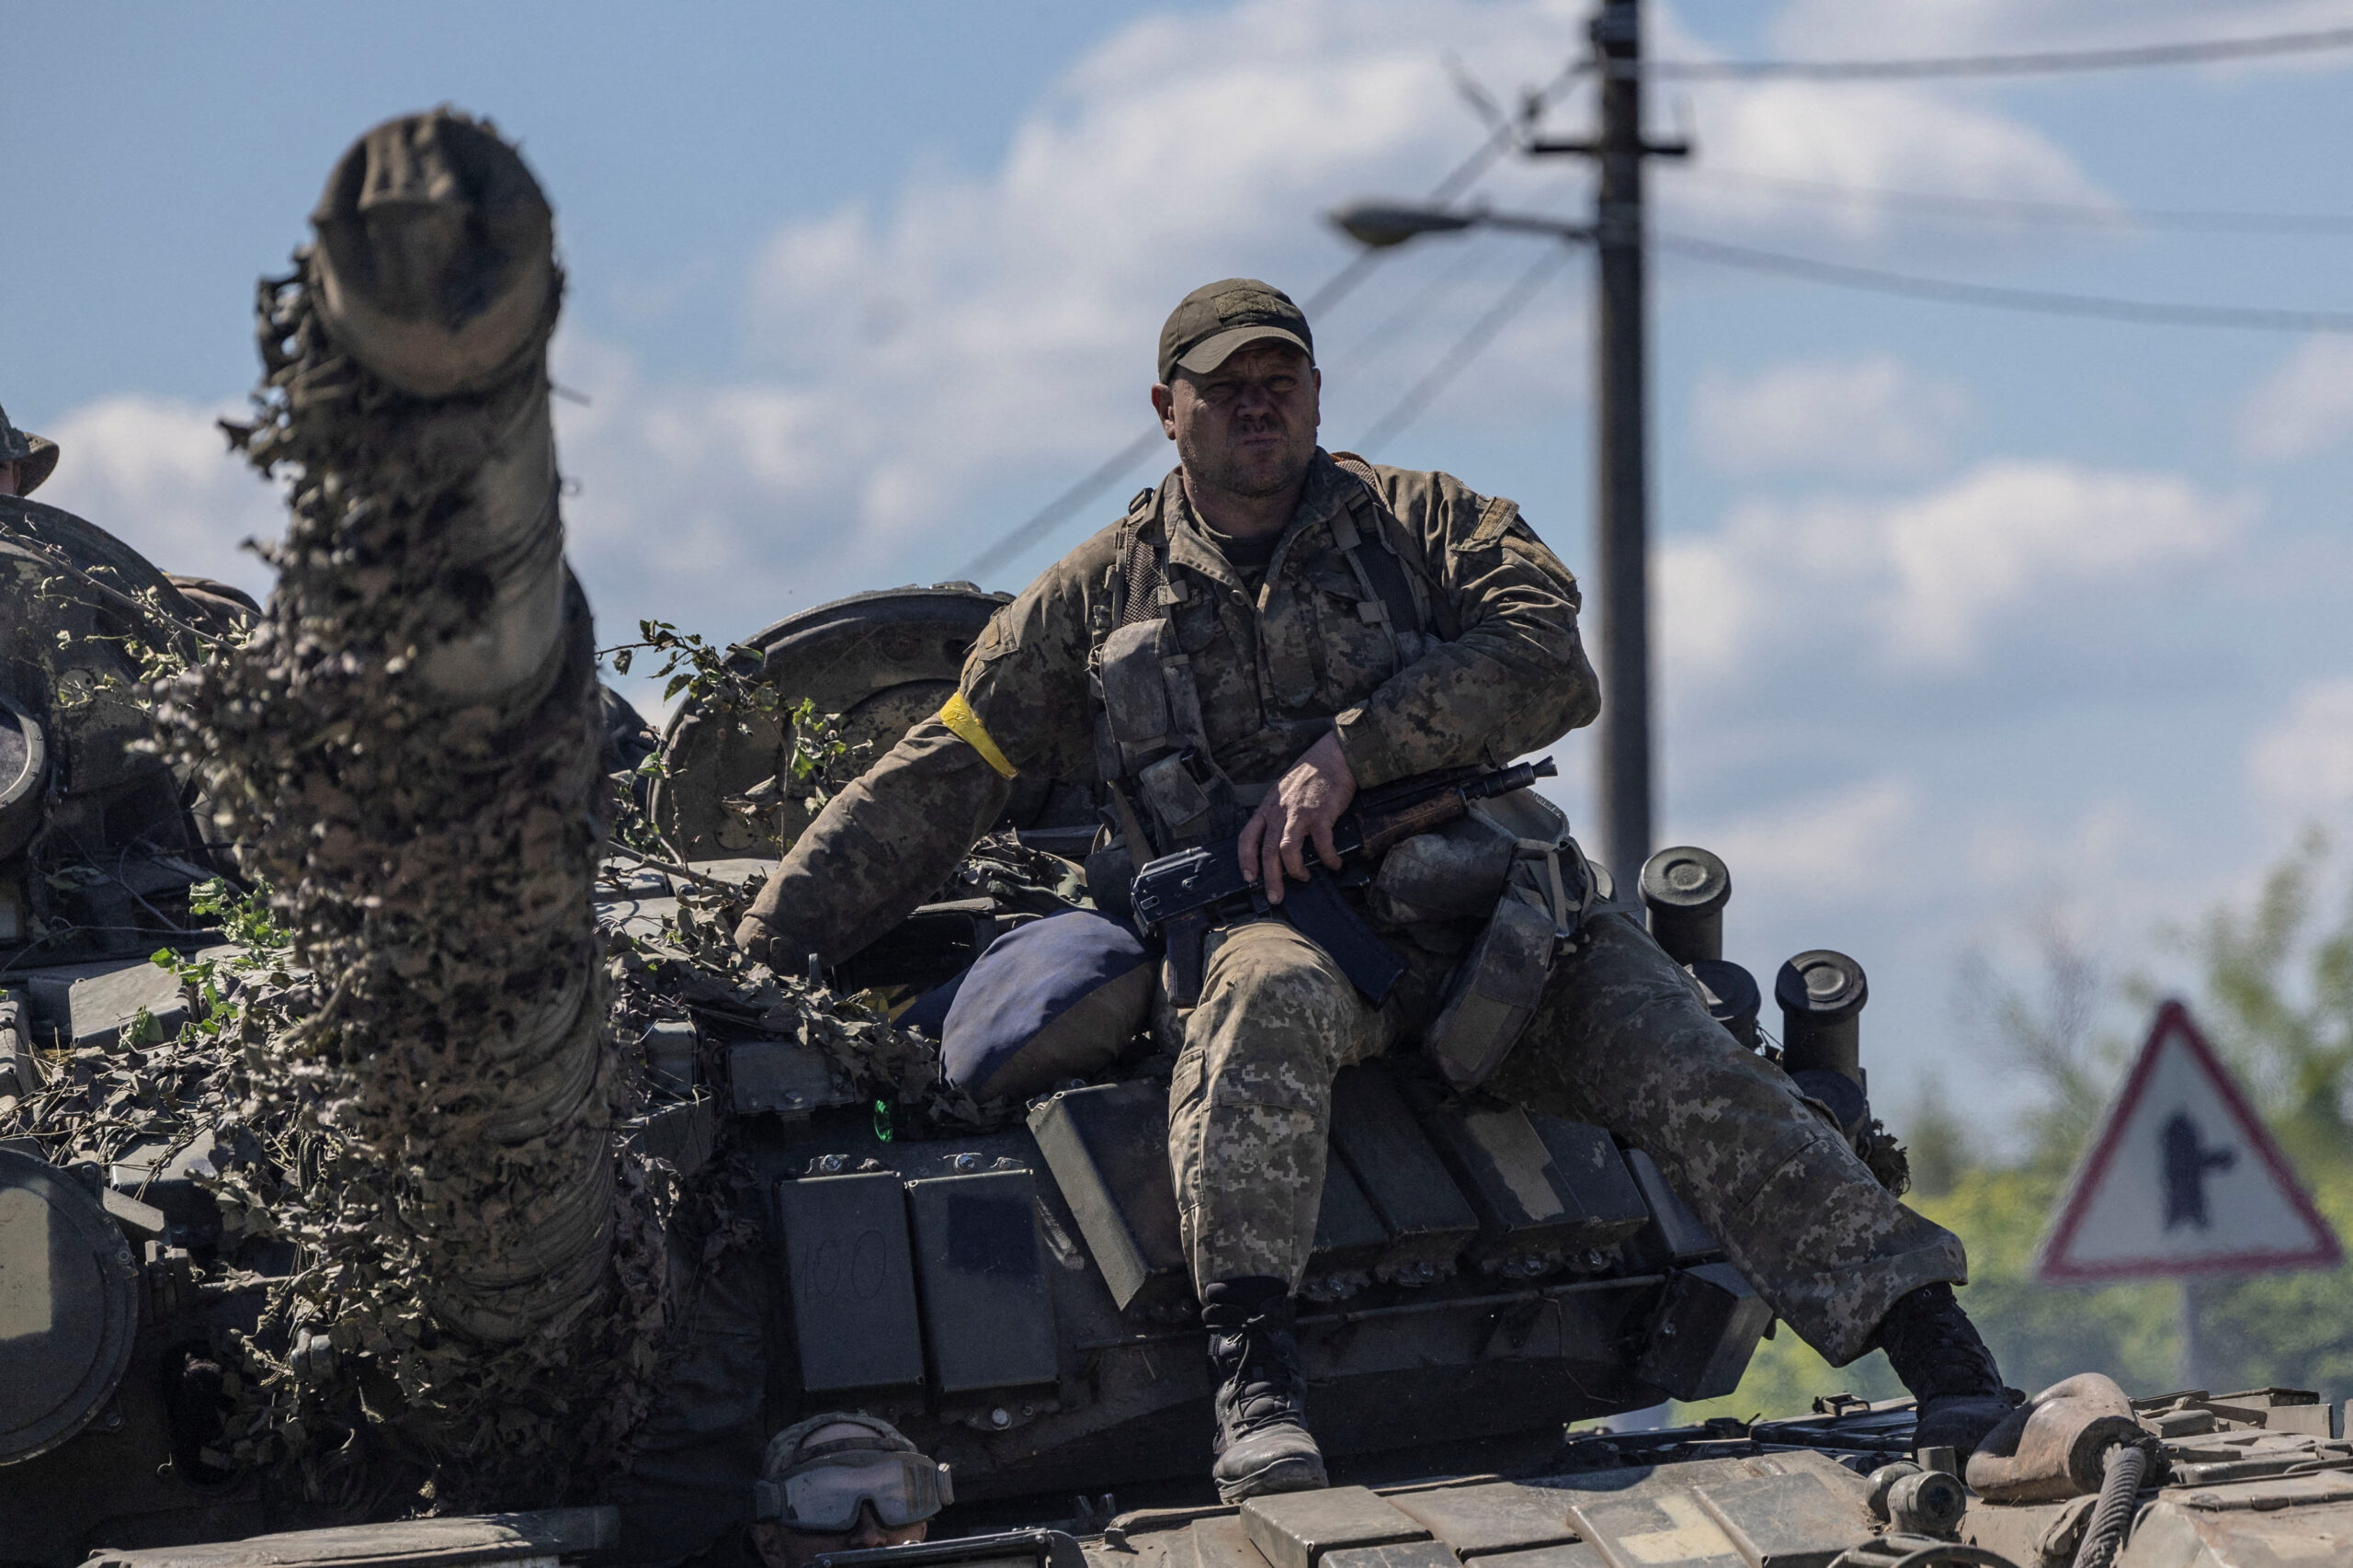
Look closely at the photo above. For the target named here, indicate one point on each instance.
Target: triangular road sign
(2182, 1179)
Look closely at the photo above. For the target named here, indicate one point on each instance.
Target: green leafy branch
(722, 679)
(261, 943)
(821, 752)
(730, 684)
(157, 641)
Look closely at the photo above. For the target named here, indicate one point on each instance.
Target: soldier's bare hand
(1302, 808)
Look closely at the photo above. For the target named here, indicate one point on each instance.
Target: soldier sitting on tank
(841, 1482)
(1326, 626)
(26, 459)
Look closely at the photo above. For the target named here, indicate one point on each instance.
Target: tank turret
(80, 792)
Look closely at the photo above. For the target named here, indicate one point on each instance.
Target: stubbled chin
(1249, 471)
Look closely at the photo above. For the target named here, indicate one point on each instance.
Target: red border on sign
(2052, 1265)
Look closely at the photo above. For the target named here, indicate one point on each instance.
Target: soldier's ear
(1164, 402)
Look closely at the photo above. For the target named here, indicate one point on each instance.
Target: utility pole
(1621, 437)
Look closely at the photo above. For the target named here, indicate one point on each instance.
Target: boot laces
(1262, 1391)
(1261, 1398)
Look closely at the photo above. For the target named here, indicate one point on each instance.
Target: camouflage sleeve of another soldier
(1510, 671)
(883, 844)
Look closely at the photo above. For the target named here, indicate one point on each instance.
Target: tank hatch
(885, 662)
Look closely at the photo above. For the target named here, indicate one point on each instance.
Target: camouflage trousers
(1621, 1041)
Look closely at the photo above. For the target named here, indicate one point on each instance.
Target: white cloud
(2304, 405)
(157, 474)
(1847, 844)
(1921, 582)
(2305, 761)
(1840, 146)
(1960, 556)
(1873, 415)
(925, 369)
(2035, 846)
(1709, 603)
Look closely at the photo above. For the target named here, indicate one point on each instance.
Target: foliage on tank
(405, 750)
(694, 970)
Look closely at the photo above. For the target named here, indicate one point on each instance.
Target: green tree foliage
(2273, 992)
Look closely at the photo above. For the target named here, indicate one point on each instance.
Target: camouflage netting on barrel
(406, 749)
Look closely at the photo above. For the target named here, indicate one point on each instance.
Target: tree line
(2271, 985)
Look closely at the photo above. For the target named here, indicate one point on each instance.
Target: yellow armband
(966, 725)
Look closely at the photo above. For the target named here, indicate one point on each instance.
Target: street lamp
(1376, 225)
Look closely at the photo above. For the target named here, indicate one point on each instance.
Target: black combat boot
(1934, 1349)
(1263, 1443)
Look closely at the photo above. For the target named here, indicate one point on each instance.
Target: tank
(445, 1187)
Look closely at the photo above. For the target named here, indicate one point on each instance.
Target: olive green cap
(38, 454)
(1217, 318)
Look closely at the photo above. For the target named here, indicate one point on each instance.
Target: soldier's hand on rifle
(1304, 804)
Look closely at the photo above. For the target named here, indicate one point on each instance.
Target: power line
(2039, 301)
(2044, 62)
(1501, 138)
(1055, 512)
(1417, 305)
(1466, 348)
(2076, 214)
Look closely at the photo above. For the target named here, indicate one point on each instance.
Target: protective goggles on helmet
(823, 1496)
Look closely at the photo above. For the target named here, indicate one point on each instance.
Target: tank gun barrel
(407, 750)
(434, 269)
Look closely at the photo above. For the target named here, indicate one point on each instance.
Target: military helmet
(37, 453)
(785, 1449)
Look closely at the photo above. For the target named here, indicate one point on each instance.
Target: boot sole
(1295, 1472)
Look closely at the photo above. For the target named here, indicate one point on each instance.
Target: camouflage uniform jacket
(1495, 670)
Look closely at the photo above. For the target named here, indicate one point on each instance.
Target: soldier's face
(9, 477)
(1248, 426)
(780, 1547)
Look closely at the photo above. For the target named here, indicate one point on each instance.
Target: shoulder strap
(1140, 575)
(1393, 582)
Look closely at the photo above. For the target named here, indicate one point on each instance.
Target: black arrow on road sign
(2187, 1164)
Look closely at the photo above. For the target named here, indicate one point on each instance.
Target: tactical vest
(1167, 789)
(1510, 863)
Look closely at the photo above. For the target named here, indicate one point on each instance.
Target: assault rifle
(1185, 895)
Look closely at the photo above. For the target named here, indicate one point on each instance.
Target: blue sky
(1968, 620)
